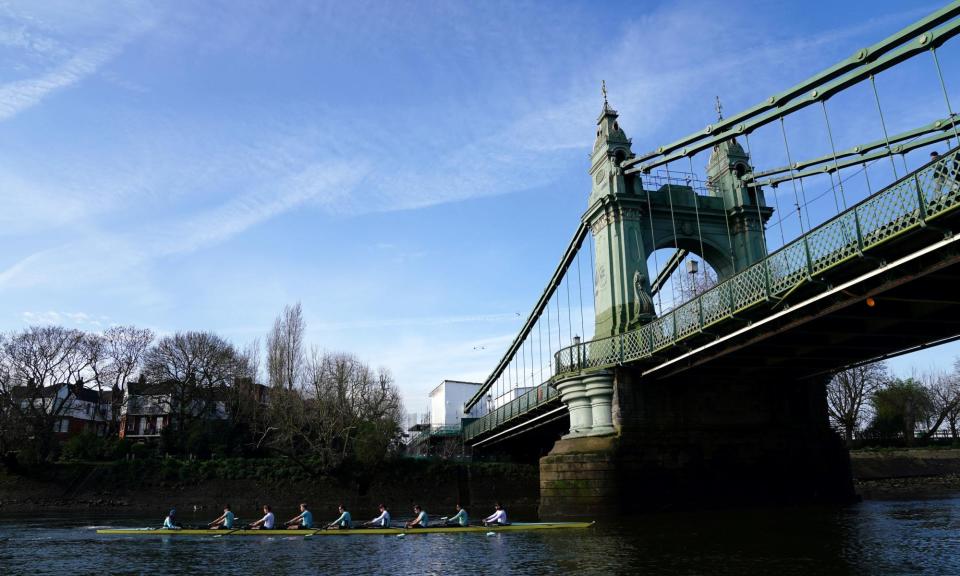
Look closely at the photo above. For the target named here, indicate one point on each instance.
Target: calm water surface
(899, 537)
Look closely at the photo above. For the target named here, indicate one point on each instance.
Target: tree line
(868, 402)
(321, 409)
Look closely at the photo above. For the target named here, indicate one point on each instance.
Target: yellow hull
(518, 527)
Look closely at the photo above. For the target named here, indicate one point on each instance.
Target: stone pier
(697, 441)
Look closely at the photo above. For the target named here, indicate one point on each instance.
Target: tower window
(619, 157)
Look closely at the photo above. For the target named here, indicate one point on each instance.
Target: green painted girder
(905, 44)
(829, 168)
(908, 204)
(941, 125)
(675, 259)
(571, 252)
(544, 395)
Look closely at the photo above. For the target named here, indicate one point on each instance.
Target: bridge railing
(523, 404)
(908, 203)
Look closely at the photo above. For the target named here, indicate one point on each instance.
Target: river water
(878, 537)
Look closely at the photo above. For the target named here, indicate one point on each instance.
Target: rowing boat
(516, 527)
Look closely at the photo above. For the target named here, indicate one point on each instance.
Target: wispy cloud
(19, 95)
(81, 319)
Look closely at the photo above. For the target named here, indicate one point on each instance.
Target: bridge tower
(642, 440)
(629, 222)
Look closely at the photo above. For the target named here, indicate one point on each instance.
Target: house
(440, 436)
(76, 408)
(150, 407)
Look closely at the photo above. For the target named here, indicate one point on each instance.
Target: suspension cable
(883, 124)
(653, 247)
(583, 330)
(549, 339)
(540, 340)
(793, 180)
(946, 97)
(756, 201)
(776, 201)
(833, 148)
(696, 208)
(673, 222)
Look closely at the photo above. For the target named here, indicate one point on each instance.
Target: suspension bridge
(682, 345)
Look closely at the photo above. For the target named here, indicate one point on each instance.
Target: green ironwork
(917, 38)
(858, 151)
(435, 431)
(541, 396)
(568, 257)
(907, 204)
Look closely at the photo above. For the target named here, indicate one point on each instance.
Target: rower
(224, 521)
(170, 522)
(381, 521)
(459, 519)
(343, 522)
(303, 520)
(499, 517)
(267, 522)
(421, 520)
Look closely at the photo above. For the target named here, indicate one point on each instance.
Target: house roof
(80, 393)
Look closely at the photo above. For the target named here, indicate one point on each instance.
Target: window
(62, 426)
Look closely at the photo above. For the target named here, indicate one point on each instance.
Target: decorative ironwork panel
(716, 302)
(662, 330)
(941, 185)
(889, 213)
(833, 242)
(688, 318)
(636, 344)
(604, 352)
(746, 289)
(787, 267)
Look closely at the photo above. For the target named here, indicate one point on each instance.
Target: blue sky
(410, 171)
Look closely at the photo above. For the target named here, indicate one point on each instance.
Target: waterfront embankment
(906, 473)
(149, 486)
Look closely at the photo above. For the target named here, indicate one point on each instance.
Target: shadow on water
(891, 537)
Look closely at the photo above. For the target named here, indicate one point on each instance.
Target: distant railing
(908, 203)
(541, 395)
(437, 430)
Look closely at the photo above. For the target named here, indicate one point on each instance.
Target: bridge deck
(913, 214)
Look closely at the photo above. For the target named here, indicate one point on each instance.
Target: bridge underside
(742, 419)
(868, 310)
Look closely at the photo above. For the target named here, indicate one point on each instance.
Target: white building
(447, 402)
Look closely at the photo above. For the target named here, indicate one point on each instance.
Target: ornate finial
(603, 88)
(719, 109)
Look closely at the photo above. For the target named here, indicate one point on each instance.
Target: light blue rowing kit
(307, 520)
(344, 520)
(228, 519)
(383, 520)
(460, 518)
(422, 519)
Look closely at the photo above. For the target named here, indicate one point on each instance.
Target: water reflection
(870, 538)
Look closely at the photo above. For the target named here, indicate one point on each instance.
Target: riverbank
(152, 486)
(906, 473)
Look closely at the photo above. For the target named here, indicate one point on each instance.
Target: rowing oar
(317, 531)
(231, 532)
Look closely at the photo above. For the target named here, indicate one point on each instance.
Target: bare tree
(197, 367)
(114, 358)
(342, 410)
(39, 363)
(285, 355)
(944, 392)
(849, 391)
